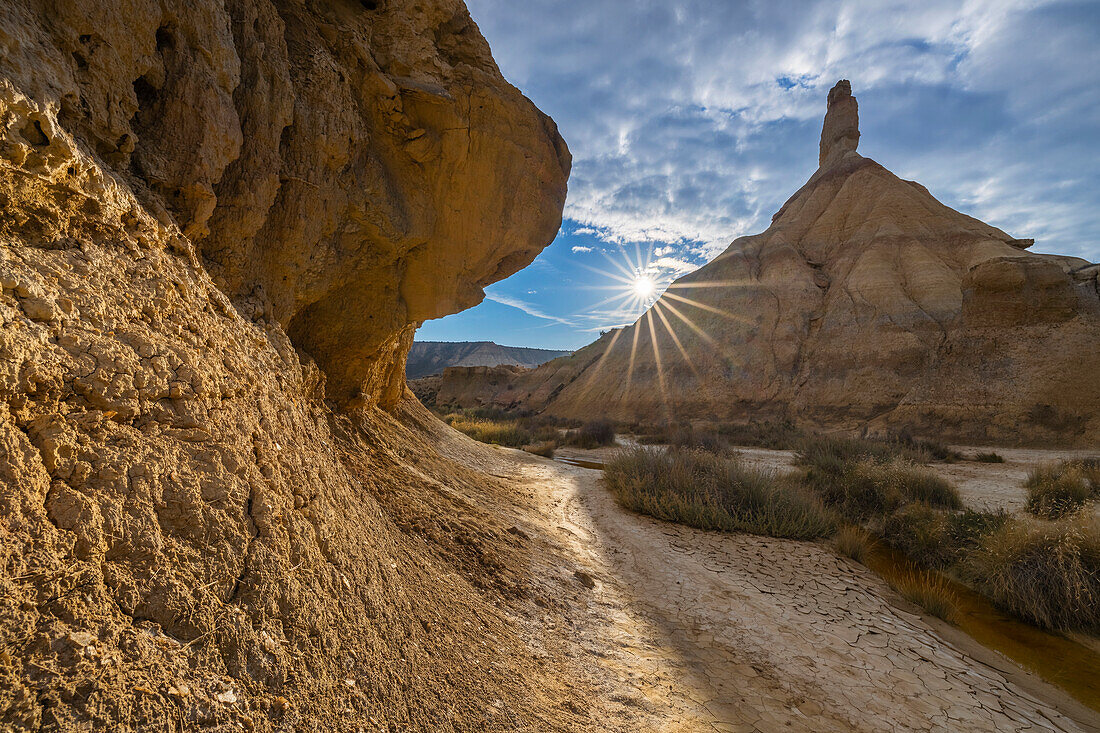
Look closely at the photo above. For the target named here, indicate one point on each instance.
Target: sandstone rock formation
(213, 215)
(326, 160)
(866, 305)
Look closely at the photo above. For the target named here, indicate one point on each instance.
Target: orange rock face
(867, 304)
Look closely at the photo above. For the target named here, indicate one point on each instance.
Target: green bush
(936, 538)
(1057, 489)
(833, 453)
(593, 435)
(936, 449)
(922, 534)
(711, 492)
(865, 489)
(1047, 572)
(686, 436)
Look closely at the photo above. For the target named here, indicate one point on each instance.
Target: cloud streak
(527, 308)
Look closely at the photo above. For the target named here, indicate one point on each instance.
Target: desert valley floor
(689, 630)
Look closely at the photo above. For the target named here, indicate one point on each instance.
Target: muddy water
(1060, 661)
(578, 462)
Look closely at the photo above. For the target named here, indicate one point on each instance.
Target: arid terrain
(221, 507)
(866, 306)
(712, 631)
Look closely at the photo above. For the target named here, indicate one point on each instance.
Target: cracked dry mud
(728, 632)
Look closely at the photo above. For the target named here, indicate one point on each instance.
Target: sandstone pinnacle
(840, 133)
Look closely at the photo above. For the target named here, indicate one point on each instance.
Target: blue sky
(691, 122)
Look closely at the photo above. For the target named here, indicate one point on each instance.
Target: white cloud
(579, 248)
(691, 121)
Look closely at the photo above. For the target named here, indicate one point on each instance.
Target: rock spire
(840, 133)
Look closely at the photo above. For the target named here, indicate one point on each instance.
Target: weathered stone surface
(350, 168)
(866, 305)
(840, 132)
(191, 537)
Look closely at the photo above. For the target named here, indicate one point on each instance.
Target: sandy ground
(708, 631)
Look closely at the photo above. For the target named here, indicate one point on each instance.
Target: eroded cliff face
(214, 215)
(866, 305)
(350, 168)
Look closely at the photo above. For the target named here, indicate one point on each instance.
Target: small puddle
(580, 462)
(1060, 661)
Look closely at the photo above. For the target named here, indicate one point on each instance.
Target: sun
(644, 287)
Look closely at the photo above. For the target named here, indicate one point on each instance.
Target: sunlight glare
(644, 287)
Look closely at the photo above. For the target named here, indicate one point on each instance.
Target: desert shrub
(712, 492)
(545, 433)
(593, 435)
(867, 488)
(922, 533)
(705, 439)
(833, 453)
(507, 433)
(1047, 572)
(969, 528)
(776, 435)
(1057, 489)
(853, 542)
(936, 538)
(989, 457)
(936, 449)
(543, 448)
(927, 590)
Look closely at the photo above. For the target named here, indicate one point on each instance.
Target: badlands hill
(867, 304)
(432, 357)
(222, 221)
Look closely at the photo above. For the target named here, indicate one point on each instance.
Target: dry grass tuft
(711, 492)
(544, 449)
(1047, 572)
(496, 432)
(989, 457)
(853, 542)
(929, 591)
(1057, 489)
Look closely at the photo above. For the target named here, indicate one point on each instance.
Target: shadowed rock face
(346, 169)
(867, 304)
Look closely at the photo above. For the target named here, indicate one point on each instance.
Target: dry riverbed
(694, 630)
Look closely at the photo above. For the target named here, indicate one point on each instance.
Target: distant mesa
(427, 358)
(867, 305)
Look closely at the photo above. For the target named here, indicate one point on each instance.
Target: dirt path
(709, 631)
